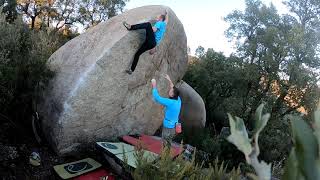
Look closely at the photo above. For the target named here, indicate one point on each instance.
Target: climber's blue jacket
(161, 29)
(172, 109)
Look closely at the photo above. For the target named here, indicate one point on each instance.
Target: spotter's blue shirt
(172, 109)
(161, 29)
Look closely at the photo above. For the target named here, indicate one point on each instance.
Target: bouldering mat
(99, 174)
(73, 169)
(130, 157)
(152, 143)
(125, 152)
(116, 148)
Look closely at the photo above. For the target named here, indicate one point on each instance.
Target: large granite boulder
(91, 98)
(193, 111)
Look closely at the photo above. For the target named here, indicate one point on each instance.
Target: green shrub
(211, 146)
(250, 146)
(23, 70)
(168, 168)
(276, 141)
(304, 160)
(203, 139)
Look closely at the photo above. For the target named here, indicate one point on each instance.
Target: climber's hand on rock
(153, 83)
(152, 51)
(167, 77)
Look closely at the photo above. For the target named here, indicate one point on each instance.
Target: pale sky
(203, 19)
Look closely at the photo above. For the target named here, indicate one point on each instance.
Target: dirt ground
(16, 145)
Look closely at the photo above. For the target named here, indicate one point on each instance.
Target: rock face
(193, 111)
(91, 98)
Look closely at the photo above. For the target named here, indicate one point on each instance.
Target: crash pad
(152, 143)
(73, 169)
(116, 148)
(125, 152)
(130, 157)
(98, 174)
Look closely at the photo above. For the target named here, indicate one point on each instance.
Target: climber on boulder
(172, 109)
(154, 34)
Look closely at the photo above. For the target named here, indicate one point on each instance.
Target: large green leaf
(260, 120)
(265, 170)
(260, 123)
(239, 135)
(291, 169)
(306, 149)
(258, 115)
(317, 125)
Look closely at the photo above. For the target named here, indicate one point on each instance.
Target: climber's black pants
(149, 43)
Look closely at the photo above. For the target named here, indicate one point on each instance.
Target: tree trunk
(33, 19)
(48, 22)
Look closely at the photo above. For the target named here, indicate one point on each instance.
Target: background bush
(274, 64)
(23, 70)
(165, 167)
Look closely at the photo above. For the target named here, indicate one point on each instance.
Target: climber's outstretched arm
(171, 85)
(161, 100)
